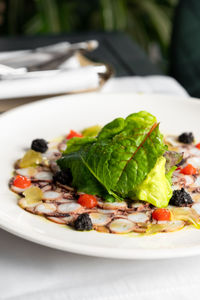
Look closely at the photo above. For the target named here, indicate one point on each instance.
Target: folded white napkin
(51, 83)
(67, 76)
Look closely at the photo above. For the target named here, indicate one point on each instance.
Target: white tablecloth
(32, 272)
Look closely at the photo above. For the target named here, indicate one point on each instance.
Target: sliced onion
(66, 208)
(172, 140)
(197, 182)
(121, 226)
(189, 180)
(99, 219)
(63, 200)
(186, 214)
(196, 207)
(17, 189)
(51, 154)
(106, 211)
(139, 206)
(57, 220)
(165, 227)
(53, 144)
(195, 161)
(46, 208)
(194, 151)
(46, 188)
(195, 197)
(44, 176)
(28, 172)
(138, 217)
(115, 205)
(51, 195)
(26, 204)
(69, 219)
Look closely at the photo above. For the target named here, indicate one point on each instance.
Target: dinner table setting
(83, 73)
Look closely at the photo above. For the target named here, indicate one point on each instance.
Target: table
(117, 49)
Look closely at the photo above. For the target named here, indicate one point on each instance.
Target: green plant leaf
(159, 19)
(156, 188)
(119, 159)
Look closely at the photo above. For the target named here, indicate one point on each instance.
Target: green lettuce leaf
(156, 188)
(170, 173)
(118, 160)
(91, 131)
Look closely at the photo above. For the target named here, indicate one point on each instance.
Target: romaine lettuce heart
(156, 188)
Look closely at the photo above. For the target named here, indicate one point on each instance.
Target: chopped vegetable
(83, 222)
(186, 138)
(31, 158)
(156, 188)
(189, 170)
(167, 227)
(161, 214)
(33, 195)
(39, 145)
(88, 201)
(186, 214)
(198, 146)
(91, 131)
(73, 134)
(21, 182)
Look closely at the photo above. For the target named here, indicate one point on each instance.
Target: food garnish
(39, 145)
(31, 158)
(91, 131)
(186, 138)
(33, 195)
(73, 134)
(189, 170)
(161, 214)
(116, 179)
(115, 164)
(21, 182)
(180, 198)
(83, 223)
(88, 201)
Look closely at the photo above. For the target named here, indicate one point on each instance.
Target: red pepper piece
(73, 134)
(189, 170)
(198, 146)
(21, 182)
(161, 214)
(88, 201)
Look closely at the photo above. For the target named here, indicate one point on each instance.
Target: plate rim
(87, 250)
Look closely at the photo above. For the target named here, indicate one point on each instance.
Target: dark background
(148, 22)
(168, 31)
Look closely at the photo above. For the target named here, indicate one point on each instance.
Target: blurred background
(148, 22)
(166, 30)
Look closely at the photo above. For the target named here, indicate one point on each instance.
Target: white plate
(50, 118)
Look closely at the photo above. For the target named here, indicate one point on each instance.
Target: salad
(125, 177)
